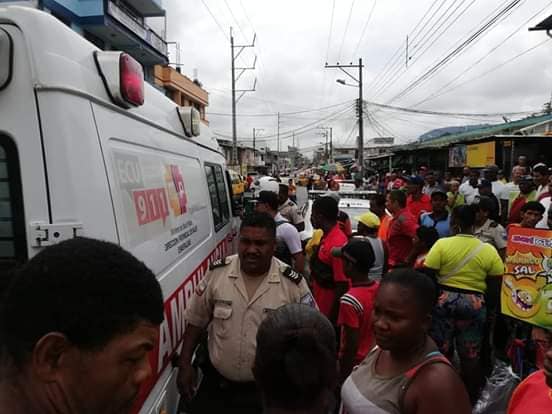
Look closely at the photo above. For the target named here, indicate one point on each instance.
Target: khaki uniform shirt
(493, 233)
(221, 303)
(290, 212)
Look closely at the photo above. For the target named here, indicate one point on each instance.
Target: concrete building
(113, 25)
(248, 158)
(181, 89)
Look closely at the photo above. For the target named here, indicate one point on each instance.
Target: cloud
(294, 39)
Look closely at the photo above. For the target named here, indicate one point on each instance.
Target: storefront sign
(480, 155)
(527, 283)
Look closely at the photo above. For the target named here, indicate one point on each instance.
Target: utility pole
(358, 81)
(235, 78)
(278, 143)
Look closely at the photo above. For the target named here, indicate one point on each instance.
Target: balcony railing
(137, 27)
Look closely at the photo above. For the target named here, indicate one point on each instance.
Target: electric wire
(397, 60)
(485, 56)
(215, 20)
(433, 32)
(382, 73)
(346, 30)
(494, 68)
(456, 52)
(364, 28)
(330, 32)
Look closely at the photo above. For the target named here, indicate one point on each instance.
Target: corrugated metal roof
(480, 133)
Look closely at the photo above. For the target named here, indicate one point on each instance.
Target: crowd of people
(400, 316)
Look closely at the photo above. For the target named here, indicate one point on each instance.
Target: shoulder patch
(292, 275)
(308, 299)
(218, 263)
(493, 224)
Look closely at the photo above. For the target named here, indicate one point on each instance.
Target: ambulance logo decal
(175, 188)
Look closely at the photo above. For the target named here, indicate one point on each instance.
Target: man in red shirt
(534, 394)
(329, 281)
(402, 228)
(355, 306)
(417, 202)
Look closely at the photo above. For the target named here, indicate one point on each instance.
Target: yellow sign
(480, 155)
(527, 282)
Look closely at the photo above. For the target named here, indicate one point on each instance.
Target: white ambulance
(87, 148)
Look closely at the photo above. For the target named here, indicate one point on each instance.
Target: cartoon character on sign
(524, 296)
(175, 188)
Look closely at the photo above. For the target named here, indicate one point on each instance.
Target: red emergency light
(123, 77)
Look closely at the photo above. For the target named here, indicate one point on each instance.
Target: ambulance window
(223, 195)
(219, 197)
(12, 233)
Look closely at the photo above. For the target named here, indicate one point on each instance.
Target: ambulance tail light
(123, 77)
(190, 120)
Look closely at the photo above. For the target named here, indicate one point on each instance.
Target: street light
(358, 84)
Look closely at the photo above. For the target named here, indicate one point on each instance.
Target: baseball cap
(415, 179)
(369, 219)
(358, 251)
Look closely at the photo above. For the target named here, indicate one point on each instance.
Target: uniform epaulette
(292, 275)
(493, 224)
(219, 263)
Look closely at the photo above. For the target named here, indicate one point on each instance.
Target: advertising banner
(480, 155)
(527, 283)
(457, 156)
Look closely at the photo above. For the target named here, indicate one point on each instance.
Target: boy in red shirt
(355, 306)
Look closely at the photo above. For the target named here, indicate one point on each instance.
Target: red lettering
(151, 205)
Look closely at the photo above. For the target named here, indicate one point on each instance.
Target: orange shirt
(384, 227)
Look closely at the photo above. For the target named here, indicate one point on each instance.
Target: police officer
(488, 230)
(288, 209)
(231, 302)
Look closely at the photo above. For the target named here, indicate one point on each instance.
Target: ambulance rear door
(23, 185)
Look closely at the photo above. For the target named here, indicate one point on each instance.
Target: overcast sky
(494, 73)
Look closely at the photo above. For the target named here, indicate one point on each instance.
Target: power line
(396, 56)
(363, 29)
(349, 102)
(442, 20)
(485, 56)
(331, 29)
(216, 21)
(234, 17)
(457, 51)
(346, 30)
(300, 130)
(429, 112)
(486, 73)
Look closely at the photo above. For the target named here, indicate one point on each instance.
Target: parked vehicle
(88, 148)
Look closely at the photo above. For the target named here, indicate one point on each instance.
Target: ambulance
(87, 148)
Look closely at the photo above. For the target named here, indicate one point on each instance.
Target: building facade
(114, 25)
(181, 89)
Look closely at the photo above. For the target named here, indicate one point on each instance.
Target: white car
(354, 207)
